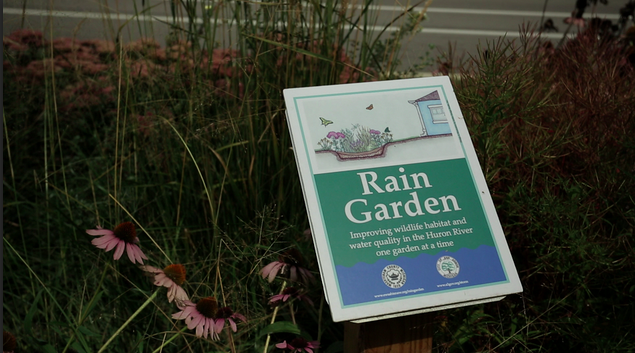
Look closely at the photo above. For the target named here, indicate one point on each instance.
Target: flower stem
(273, 318)
(232, 346)
(148, 301)
(83, 315)
(170, 340)
(291, 311)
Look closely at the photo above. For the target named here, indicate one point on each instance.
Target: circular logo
(448, 267)
(394, 276)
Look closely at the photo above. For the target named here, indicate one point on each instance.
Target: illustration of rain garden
(357, 140)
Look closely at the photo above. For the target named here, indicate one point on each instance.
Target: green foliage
(190, 143)
(554, 132)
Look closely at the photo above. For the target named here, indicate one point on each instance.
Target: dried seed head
(176, 273)
(208, 307)
(126, 232)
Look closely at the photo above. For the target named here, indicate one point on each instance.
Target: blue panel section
(365, 283)
(433, 128)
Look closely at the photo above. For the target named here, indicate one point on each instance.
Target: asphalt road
(463, 24)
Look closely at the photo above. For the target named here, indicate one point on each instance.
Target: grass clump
(554, 132)
(188, 142)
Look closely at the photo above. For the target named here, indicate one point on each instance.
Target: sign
(401, 216)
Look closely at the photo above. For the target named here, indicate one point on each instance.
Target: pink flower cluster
(93, 66)
(335, 135)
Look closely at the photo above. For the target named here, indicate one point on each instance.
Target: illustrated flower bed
(359, 142)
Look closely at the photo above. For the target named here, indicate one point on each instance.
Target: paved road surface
(463, 23)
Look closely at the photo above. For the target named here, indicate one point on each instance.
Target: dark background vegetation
(190, 142)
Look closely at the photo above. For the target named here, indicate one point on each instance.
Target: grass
(189, 142)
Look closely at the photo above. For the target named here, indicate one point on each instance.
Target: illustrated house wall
(433, 117)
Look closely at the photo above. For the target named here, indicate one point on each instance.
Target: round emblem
(448, 267)
(393, 276)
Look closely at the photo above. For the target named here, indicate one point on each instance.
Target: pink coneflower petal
(187, 304)
(275, 298)
(140, 255)
(289, 265)
(96, 232)
(131, 253)
(170, 277)
(151, 269)
(103, 240)
(200, 330)
(199, 315)
(271, 270)
(195, 321)
(161, 280)
(293, 274)
(110, 245)
(274, 272)
(206, 317)
(290, 292)
(121, 246)
(135, 253)
(219, 324)
(299, 344)
(178, 293)
(213, 332)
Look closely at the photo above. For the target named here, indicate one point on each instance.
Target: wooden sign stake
(404, 334)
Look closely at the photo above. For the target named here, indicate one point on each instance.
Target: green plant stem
(170, 340)
(291, 311)
(148, 301)
(88, 308)
(273, 318)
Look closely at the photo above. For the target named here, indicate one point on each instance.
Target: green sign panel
(401, 216)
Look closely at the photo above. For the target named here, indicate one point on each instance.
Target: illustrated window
(438, 115)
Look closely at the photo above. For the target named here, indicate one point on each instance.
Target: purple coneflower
(288, 264)
(290, 292)
(200, 316)
(299, 344)
(206, 317)
(227, 314)
(124, 237)
(171, 277)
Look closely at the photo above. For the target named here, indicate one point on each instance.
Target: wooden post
(404, 334)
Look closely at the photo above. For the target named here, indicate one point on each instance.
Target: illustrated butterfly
(325, 122)
(370, 107)
(387, 130)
